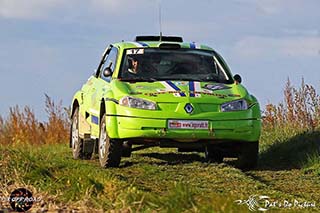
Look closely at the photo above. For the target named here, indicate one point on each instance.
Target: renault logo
(188, 108)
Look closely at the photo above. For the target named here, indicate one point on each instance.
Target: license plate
(187, 124)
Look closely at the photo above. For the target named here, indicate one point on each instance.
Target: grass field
(163, 180)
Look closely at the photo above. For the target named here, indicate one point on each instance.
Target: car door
(102, 85)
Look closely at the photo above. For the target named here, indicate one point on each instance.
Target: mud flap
(88, 146)
(84, 127)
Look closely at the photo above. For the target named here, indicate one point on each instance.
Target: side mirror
(107, 72)
(237, 79)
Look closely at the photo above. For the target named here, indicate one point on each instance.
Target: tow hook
(211, 132)
(163, 132)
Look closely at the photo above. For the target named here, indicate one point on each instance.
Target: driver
(134, 66)
(138, 67)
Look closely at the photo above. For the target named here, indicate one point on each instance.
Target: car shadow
(291, 154)
(164, 159)
(175, 158)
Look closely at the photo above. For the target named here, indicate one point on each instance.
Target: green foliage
(290, 152)
(312, 164)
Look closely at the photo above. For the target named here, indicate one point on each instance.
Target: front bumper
(226, 130)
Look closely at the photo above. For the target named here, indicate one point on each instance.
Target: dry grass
(22, 127)
(300, 110)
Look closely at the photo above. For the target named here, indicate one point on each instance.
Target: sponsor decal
(143, 44)
(162, 90)
(152, 94)
(181, 83)
(191, 89)
(94, 119)
(234, 95)
(213, 87)
(188, 124)
(195, 89)
(197, 94)
(171, 87)
(135, 52)
(144, 87)
(194, 45)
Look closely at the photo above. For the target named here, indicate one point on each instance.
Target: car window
(168, 64)
(109, 61)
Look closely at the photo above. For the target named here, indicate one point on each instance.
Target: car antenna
(160, 23)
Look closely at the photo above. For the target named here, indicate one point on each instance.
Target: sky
(53, 46)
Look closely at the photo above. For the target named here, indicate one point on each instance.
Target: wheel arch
(108, 108)
(74, 106)
(76, 102)
(102, 109)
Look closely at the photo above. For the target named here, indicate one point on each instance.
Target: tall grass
(22, 127)
(300, 110)
(290, 136)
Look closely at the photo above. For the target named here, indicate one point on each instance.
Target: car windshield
(153, 64)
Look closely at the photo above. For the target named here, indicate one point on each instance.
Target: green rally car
(161, 91)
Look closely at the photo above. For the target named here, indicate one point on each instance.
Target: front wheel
(110, 150)
(76, 141)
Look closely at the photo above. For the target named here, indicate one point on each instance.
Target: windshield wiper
(138, 79)
(211, 79)
(177, 79)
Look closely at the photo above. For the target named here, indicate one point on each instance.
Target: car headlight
(234, 106)
(137, 103)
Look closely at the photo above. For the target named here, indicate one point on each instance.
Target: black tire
(248, 157)
(126, 149)
(110, 150)
(213, 154)
(76, 142)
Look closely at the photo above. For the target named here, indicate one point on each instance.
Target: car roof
(155, 44)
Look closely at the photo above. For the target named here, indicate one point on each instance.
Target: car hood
(178, 91)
